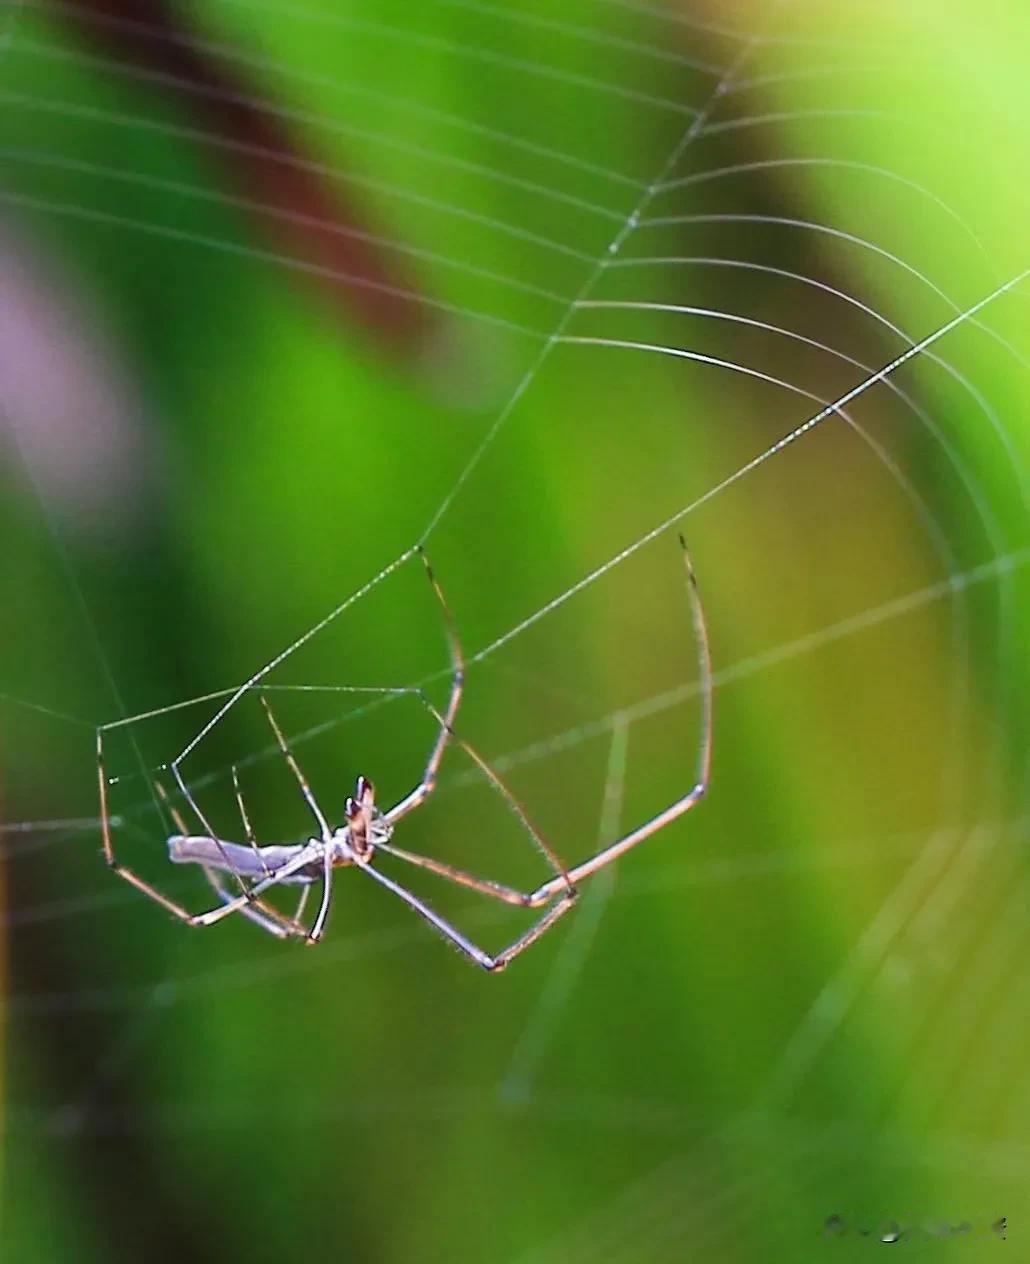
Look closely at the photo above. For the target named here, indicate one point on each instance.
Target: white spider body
(299, 863)
(215, 853)
(254, 869)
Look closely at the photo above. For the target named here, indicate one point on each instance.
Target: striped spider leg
(366, 830)
(264, 915)
(554, 887)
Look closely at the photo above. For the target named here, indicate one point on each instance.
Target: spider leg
(195, 806)
(266, 909)
(704, 760)
(485, 886)
(428, 783)
(562, 880)
(302, 781)
(268, 923)
(298, 912)
(460, 941)
(316, 931)
(258, 911)
(123, 871)
(305, 856)
(422, 791)
(248, 829)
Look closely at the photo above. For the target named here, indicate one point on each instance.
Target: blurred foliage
(804, 999)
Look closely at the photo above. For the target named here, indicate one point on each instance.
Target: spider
(369, 830)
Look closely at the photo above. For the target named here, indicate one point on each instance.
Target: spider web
(665, 274)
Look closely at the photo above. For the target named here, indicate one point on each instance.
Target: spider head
(366, 825)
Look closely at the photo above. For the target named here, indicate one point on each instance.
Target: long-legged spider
(368, 830)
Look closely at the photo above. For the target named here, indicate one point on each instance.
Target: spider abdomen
(245, 862)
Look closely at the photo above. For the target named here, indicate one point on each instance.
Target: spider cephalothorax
(366, 825)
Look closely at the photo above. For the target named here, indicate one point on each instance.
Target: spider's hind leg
(259, 912)
(255, 910)
(123, 871)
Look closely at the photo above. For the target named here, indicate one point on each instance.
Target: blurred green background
(285, 289)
